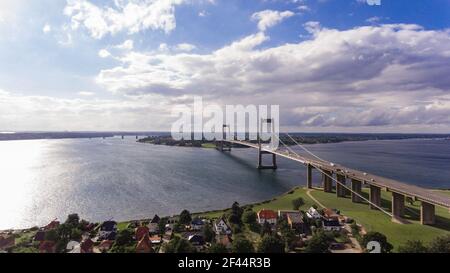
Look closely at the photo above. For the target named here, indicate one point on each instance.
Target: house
(221, 227)
(312, 213)
(47, 247)
(196, 239)
(331, 225)
(144, 245)
(330, 214)
(87, 246)
(73, 247)
(283, 213)
(155, 219)
(107, 228)
(7, 241)
(172, 220)
(105, 245)
(295, 221)
(140, 232)
(39, 236)
(197, 224)
(267, 216)
(52, 225)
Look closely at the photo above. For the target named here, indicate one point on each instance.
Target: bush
(124, 237)
(249, 217)
(319, 243)
(208, 233)
(242, 245)
(271, 244)
(386, 247)
(413, 247)
(440, 244)
(297, 203)
(218, 248)
(179, 245)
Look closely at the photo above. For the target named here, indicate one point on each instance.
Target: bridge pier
(398, 205)
(340, 190)
(224, 146)
(375, 196)
(327, 182)
(309, 168)
(427, 214)
(263, 167)
(356, 187)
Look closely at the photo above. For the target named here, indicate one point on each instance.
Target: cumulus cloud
(103, 53)
(47, 28)
(270, 18)
(366, 76)
(131, 16)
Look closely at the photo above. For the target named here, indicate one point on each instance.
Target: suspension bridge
(347, 181)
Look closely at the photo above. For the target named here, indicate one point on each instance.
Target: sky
(331, 65)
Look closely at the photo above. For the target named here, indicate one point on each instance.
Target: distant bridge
(428, 198)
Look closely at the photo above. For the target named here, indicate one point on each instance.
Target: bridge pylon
(262, 152)
(224, 146)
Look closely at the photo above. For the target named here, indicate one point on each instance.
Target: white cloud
(86, 93)
(373, 76)
(47, 28)
(269, 18)
(185, 47)
(103, 53)
(127, 45)
(131, 16)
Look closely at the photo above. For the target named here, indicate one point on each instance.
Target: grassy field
(372, 220)
(209, 145)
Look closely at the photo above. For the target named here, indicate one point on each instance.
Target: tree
(179, 245)
(266, 229)
(355, 229)
(297, 203)
(242, 245)
(162, 225)
(185, 217)
(319, 243)
(413, 247)
(234, 219)
(236, 209)
(76, 234)
(271, 244)
(440, 244)
(73, 220)
(386, 247)
(208, 233)
(217, 248)
(52, 235)
(124, 237)
(249, 217)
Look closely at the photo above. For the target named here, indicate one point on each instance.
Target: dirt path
(308, 192)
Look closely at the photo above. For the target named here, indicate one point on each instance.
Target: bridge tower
(261, 152)
(223, 145)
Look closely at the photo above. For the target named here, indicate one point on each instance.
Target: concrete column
(375, 196)
(398, 205)
(327, 182)
(309, 176)
(340, 190)
(274, 160)
(356, 187)
(427, 214)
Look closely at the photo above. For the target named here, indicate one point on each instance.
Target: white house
(221, 227)
(312, 213)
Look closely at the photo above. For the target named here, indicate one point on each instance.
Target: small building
(87, 246)
(52, 225)
(330, 214)
(197, 224)
(312, 213)
(267, 216)
(107, 228)
(295, 221)
(172, 220)
(196, 239)
(39, 236)
(140, 232)
(47, 247)
(144, 245)
(221, 227)
(7, 242)
(283, 213)
(331, 225)
(155, 219)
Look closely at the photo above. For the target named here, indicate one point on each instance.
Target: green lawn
(376, 220)
(209, 145)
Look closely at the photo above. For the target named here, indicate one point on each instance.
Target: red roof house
(140, 232)
(144, 245)
(87, 246)
(267, 215)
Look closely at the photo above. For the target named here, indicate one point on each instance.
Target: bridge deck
(418, 193)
